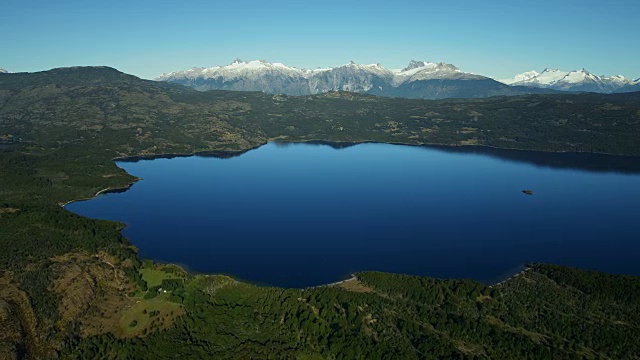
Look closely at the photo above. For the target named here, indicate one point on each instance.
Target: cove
(301, 214)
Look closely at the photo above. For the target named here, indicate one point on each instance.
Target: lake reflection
(304, 214)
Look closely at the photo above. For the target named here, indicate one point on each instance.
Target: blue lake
(299, 215)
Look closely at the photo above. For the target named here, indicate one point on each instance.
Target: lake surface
(298, 215)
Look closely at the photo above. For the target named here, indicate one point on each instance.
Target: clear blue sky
(494, 38)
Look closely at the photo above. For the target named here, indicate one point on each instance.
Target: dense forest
(72, 287)
(547, 312)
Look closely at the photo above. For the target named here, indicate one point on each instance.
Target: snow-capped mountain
(350, 77)
(255, 75)
(269, 77)
(3, 71)
(420, 79)
(576, 80)
(525, 76)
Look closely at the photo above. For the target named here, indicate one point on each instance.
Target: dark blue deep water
(298, 215)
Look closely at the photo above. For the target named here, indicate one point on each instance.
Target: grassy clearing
(355, 286)
(154, 276)
(145, 315)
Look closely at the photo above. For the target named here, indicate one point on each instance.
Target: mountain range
(576, 80)
(420, 79)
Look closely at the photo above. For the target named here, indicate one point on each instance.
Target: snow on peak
(618, 80)
(351, 77)
(364, 66)
(532, 78)
(525, 76)
(3, 71)
(577, 76)
(237, 69)
(254, 64)
(575, 80)
(530, 74)
(414, 64)
(425, 70)
(413, 67)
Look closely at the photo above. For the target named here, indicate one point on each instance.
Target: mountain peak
(546, 78)
(418, 66)
(93, 69)
(414, 64)
(3, 71)
(445, 66)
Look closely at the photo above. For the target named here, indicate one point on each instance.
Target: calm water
(299, 214)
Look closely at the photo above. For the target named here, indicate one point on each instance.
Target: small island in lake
(528, 192)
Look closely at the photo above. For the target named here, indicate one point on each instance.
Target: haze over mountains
(419, 79)
(576, 80)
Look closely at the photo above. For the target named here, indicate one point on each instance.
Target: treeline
(35, 234)
(576, 123)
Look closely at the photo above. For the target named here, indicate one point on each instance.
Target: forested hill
(547, 312)
(72, 287)
(131, 116)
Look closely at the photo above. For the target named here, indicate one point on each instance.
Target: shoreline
(226, 154)
(521, 272)
(335, 283)
(443, 145)
(339, 144)
(103, 191)
(220, 154)
(354, 277)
